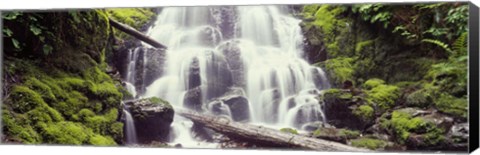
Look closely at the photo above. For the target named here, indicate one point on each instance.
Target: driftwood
(131, 31)
(263, 135)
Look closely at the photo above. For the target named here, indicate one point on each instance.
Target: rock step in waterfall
(242, 62)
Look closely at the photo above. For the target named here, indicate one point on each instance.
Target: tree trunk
(131, 31)
(263, 135)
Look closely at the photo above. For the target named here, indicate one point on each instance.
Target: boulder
(152, 118)
(232, 53)
(193, 99)
(334, 134)
(237, 102)
(339, 107)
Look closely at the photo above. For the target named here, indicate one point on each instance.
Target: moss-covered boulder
(343, 109)
(369, 143)
(152, 118)
(334, 134)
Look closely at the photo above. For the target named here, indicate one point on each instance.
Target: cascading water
(213, 50)
(131, 133)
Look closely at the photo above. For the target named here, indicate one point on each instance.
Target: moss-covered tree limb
(131, 31)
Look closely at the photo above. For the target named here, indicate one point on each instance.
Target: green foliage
(289, 130)
(374, 13)
(439, 43)
(365, 112)
(369, 143)
(451, 105)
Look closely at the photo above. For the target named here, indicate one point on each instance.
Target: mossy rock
(451, 105)
(370, 143)
(420, 98)
(380, 95)
(366, 112)
(334, 134)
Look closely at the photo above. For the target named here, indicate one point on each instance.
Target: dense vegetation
(391, 57)
(56, 87)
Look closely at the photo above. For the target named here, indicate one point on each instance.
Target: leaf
(47, 49)
(15, 42)
(7, 32)
(11, 15)
(36, 31)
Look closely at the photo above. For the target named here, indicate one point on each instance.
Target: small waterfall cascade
(212, 50)
(131, 133)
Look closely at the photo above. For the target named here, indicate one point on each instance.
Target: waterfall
(131, 133)
(258, 49)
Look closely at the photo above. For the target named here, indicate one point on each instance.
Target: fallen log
(263, 135)
(131, 31)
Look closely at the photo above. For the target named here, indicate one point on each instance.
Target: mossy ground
(65, 96)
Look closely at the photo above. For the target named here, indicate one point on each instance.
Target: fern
(460, 45)
(439, 43)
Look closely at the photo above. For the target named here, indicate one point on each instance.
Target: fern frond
(439, 43)
(460, 45)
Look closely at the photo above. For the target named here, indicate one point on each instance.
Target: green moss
(135, 17)
(43, 89)
(380, 95)
(372, 83)
(365, 112)
(340, 69)
(348, 134)
(101, 141)
(419, 98)
(451, 105)
(289, 130)
(336, 133)
(24, 99)
(369, 143)
(402, 124)
(65, 133)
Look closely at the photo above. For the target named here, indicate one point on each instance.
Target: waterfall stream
(131, 133)
(257, 50)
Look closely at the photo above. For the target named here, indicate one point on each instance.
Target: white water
(131, 133)
(278, 82)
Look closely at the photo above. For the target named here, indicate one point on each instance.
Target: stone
(193, 99)
(152, 119)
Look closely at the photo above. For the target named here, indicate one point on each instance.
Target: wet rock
(315, 125)
(152, 119)
(232, 53)
(237, 102)
(459, 133)
(339, 106)
(193, 99)
(194, 79)
(219, 78)
(334, 134)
